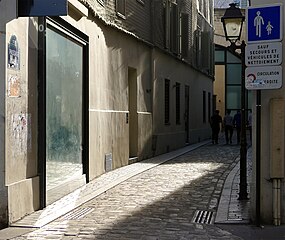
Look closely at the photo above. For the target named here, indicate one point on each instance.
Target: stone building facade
(110, 83)
(271, 147)
(272, 208)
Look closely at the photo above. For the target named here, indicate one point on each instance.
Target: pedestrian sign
(264, 23)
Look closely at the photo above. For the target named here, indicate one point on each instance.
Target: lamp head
(232, 23)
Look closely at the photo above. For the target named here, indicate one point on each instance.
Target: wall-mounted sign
(36, 8)
(263, 54)
(264, 23)
(261, 78)
(13, 53)
(14, 87)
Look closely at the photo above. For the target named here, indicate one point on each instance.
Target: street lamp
(232, 22)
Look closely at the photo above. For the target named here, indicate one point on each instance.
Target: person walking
(228, 123)
(237, 124)
(216, 121)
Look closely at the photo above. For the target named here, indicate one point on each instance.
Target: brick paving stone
(158, 203)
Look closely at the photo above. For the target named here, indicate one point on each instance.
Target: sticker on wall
(13, 53)
(14, 87)
(22, 137)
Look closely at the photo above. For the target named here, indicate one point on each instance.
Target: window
(177, 103)
(101, 2)
(121, 8)
(174, 28)
(220, 56)
(198, 47)
(166, 101)
(206, 10)
(171, 26)
(200, 5)
(204, 106)
(184, 38)
(232, 58)
(234, 74)
(233, 78)
(141, 1)
(63, 107)
(233, 97)
(203, 46)
(209, 107)
(205, 50)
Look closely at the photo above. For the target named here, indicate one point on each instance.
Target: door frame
(66, 28)
(186, 112)
(133, 115)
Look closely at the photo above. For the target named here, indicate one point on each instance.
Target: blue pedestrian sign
(264, 23)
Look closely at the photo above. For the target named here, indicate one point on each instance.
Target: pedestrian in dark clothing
(216, 121)
(237, 124)
(228, 123)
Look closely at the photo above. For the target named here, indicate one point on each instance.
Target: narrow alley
(159, 203)
(156, 199)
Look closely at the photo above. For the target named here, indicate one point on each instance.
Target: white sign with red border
(260, 78)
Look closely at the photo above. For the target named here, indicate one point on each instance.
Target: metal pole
(42, 106)
(258, 135)
(243, 145)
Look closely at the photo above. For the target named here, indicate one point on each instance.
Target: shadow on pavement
(165, 209)
(251, 232)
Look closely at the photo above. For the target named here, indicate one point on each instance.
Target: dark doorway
(133, 115)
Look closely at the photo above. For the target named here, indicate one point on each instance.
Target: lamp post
(232, 23)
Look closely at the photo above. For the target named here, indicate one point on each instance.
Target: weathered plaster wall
(109, 102)
(199, 130)
(172, 136)
(20, 96)
(111, 54)
(4, 11)
(21, 123)
(219, 88)
(266, 185)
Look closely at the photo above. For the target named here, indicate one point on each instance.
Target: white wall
(6, 14)
(111, 54)
(3, 192)
(21, 131)
(266, 145)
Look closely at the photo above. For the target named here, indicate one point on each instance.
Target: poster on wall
(13, 53)
(21, 133)
(14, 88)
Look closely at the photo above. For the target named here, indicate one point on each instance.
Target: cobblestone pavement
(231, 210)
(159, 203)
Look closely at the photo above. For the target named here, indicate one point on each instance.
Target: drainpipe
(276, 155)
(152, 76)
(276, 201)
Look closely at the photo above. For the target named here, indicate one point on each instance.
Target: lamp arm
(233, 47)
